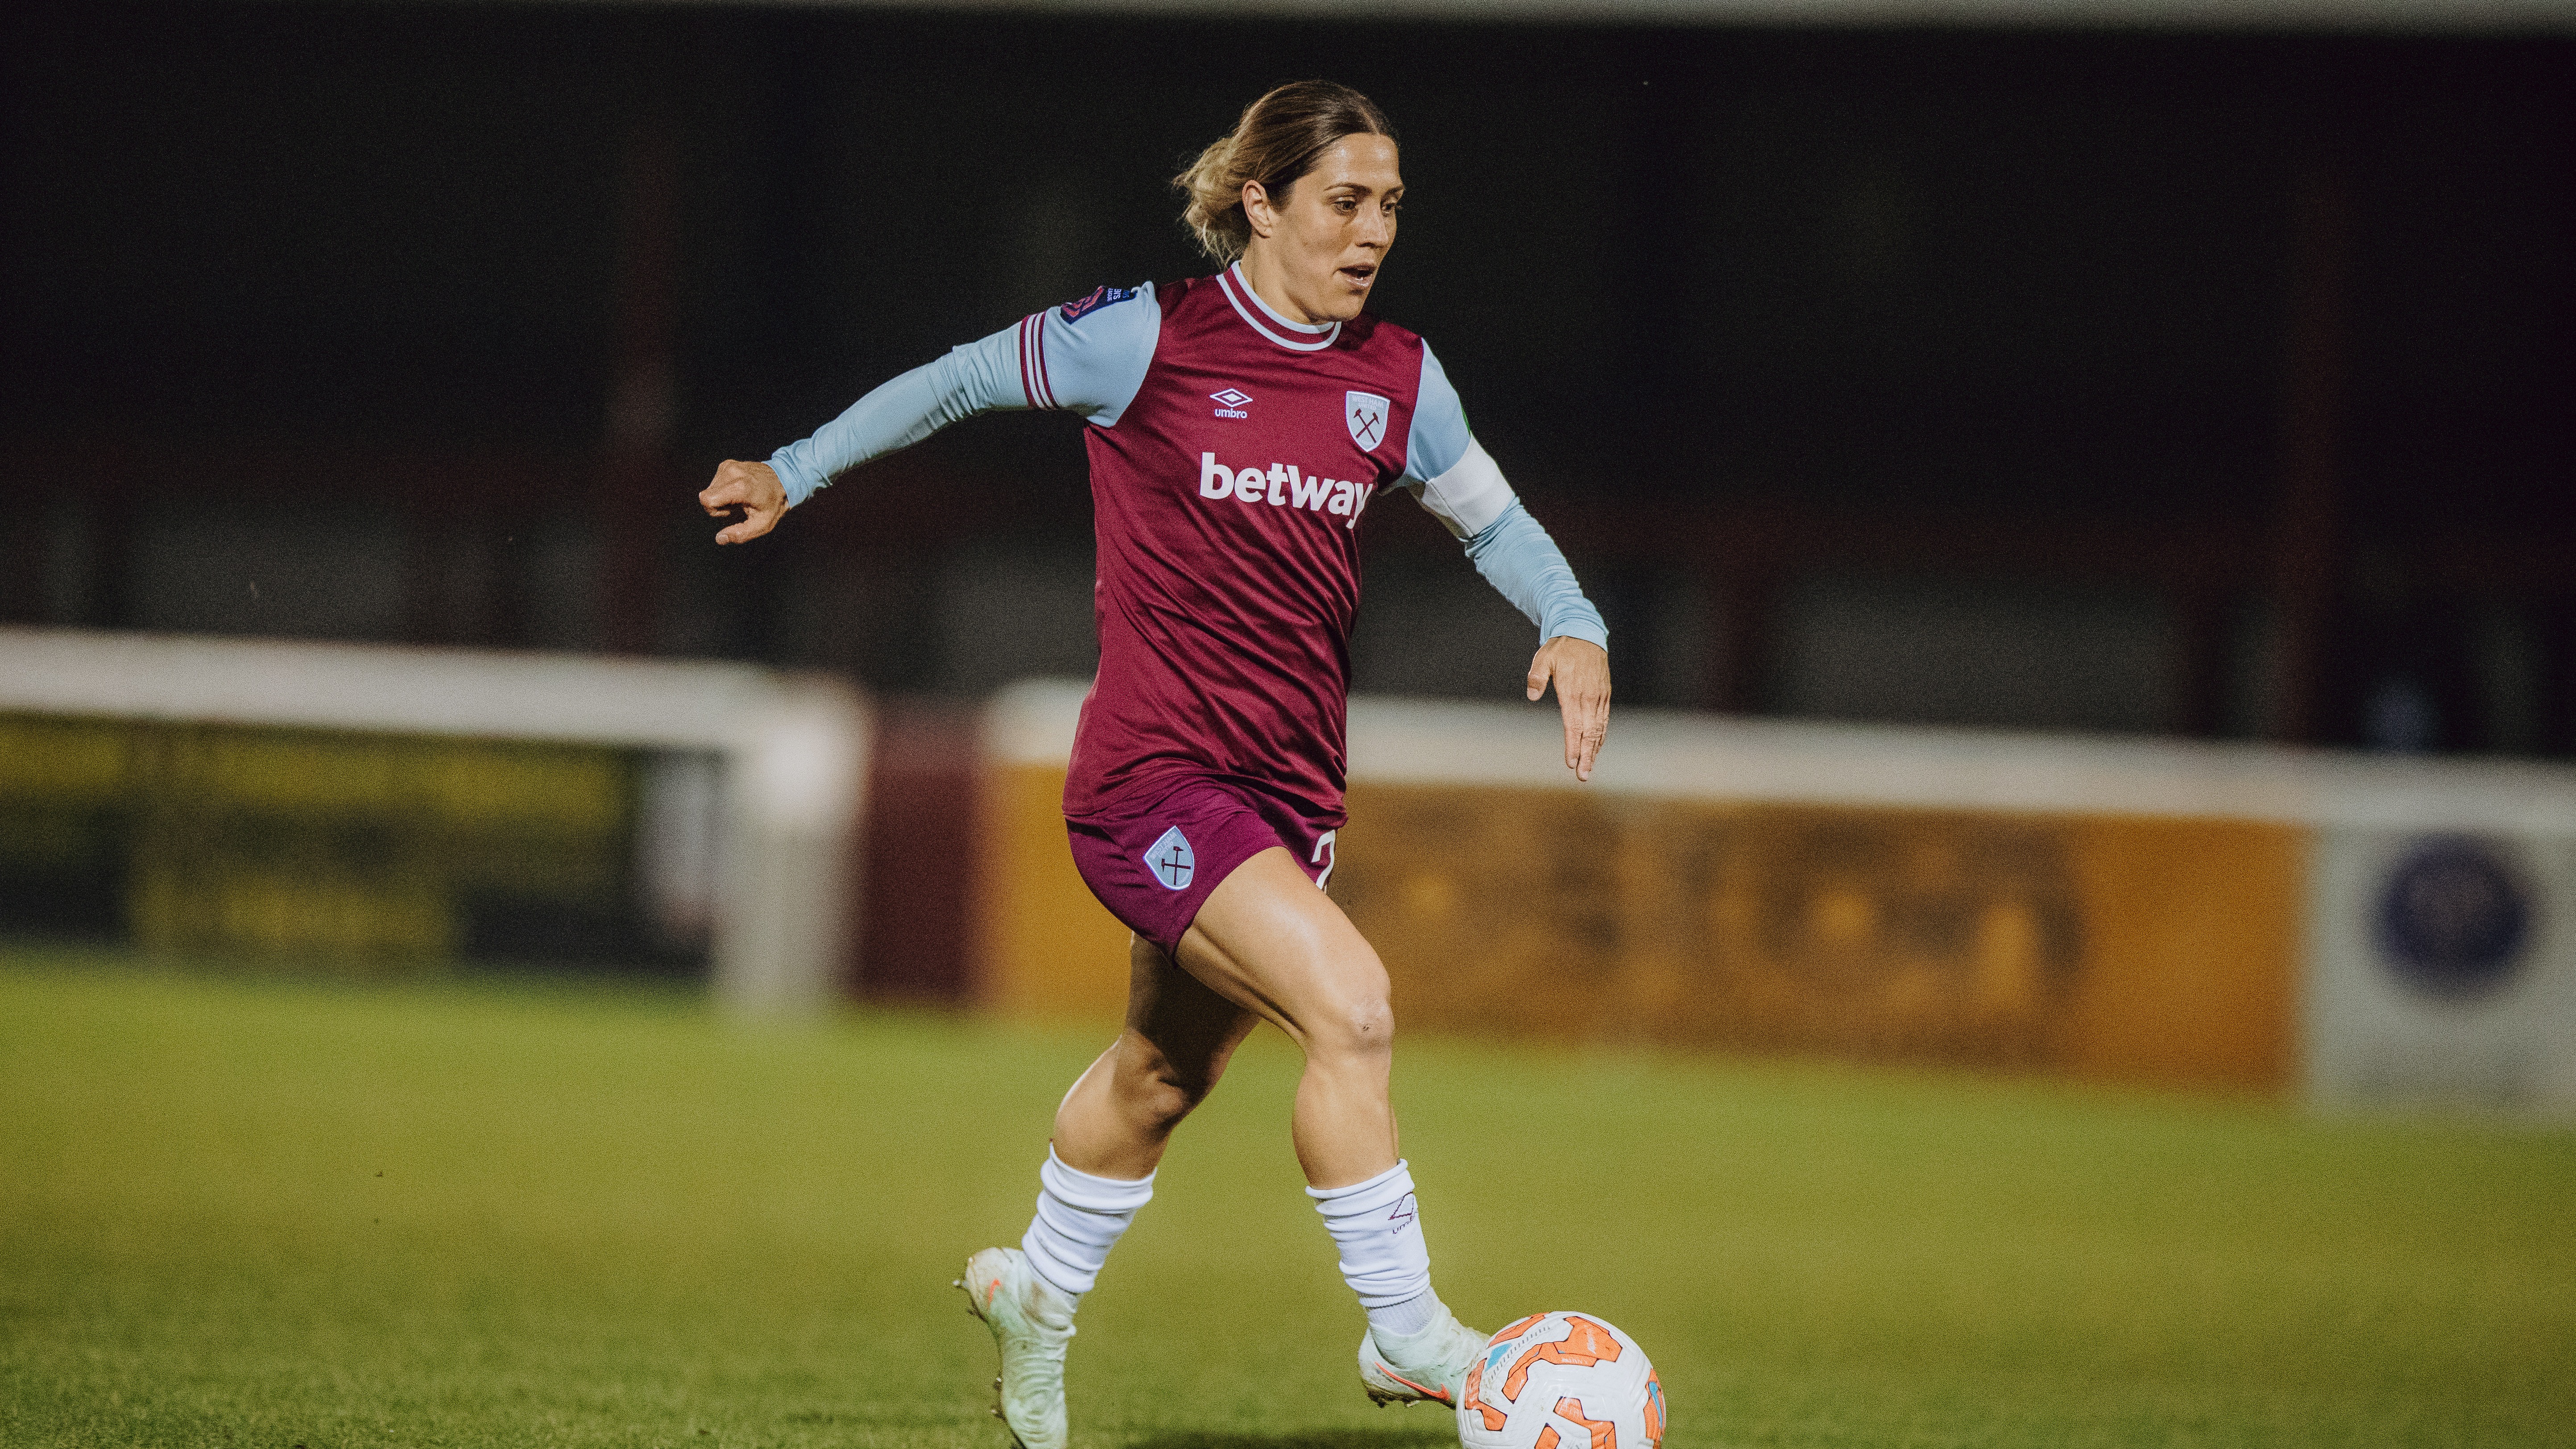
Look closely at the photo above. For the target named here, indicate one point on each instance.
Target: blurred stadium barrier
(377, 807)
(2365, 930)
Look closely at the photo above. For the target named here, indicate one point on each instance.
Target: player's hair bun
(1277, 141)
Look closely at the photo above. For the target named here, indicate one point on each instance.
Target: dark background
(2198, 384)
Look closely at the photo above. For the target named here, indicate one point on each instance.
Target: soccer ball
(1561, 1381)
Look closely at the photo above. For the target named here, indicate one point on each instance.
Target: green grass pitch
(252, 1212)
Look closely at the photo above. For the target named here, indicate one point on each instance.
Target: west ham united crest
(1171, 860)
(1367, 413)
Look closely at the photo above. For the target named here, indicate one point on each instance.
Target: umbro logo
(1229, 403)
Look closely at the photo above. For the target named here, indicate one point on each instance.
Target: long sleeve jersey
(1233, 453)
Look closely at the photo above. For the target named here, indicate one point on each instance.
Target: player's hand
(750, 490)
(1581, 672)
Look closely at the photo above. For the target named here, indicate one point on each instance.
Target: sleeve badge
(1100, 297)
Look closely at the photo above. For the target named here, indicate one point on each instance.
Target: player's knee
(1357, 1026)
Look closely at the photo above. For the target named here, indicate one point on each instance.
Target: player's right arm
(1459, 483)
(1086, 357)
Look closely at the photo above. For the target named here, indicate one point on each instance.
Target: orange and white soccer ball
(1561, 1381)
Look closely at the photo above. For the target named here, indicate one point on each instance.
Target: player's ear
(1257, 209)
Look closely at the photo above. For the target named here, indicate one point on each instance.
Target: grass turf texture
(253, 1212)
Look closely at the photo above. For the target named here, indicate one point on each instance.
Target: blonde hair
(1278, 140)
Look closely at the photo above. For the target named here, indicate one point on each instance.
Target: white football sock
(1078, 1221)
(1408, 1318)
(1384, 1258)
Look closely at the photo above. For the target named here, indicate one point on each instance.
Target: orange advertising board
(2152, 948)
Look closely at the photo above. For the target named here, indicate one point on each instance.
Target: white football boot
(1031, 1322)
(1419, 1368)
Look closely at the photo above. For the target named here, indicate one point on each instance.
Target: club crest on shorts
(1367, 414)
(1171, 860)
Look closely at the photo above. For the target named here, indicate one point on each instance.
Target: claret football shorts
(1153, 867)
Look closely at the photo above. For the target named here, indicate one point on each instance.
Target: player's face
(1324, 241)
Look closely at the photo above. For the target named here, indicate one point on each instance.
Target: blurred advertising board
(2223, 915)
(370, 852)
(376, 809)
(2444, 967)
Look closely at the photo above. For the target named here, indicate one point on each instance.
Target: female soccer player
(1239, 426)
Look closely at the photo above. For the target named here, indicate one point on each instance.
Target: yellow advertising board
(369, 848)
(382, 804)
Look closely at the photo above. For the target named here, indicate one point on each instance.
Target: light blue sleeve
(1440, 437)
(1444, 465)
(1524, 565)
(1087, 357)
(1460, 484)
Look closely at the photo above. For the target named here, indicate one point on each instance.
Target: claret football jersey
(1234, 454)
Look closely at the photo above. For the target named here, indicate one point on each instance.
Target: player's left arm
(1461, 486)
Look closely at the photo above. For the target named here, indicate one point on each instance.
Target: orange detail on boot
(1425, 1390)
